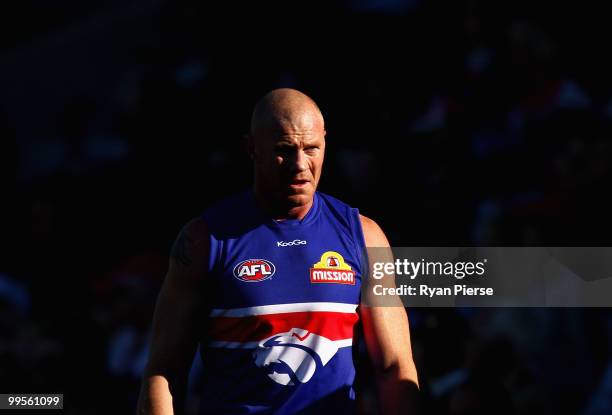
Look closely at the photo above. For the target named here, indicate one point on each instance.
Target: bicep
(385, 322)
(176, 321)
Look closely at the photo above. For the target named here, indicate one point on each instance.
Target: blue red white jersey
(282, 302)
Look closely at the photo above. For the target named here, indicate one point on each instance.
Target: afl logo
(254, 270)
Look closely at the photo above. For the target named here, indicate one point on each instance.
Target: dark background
(452, 123)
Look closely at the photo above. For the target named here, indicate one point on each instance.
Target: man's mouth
(298, 182)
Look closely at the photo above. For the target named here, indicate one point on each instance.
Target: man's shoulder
(227, 207)
(367, 224)
(372, 233)
(334, 201)
(196, 229)
(229, 204)
(230, 214)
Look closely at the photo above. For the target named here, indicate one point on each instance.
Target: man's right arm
(176, 324)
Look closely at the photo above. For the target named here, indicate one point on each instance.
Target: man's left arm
(387, 337)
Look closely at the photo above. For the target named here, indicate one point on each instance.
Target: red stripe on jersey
(333, 325)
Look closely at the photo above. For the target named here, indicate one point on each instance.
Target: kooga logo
(292, 243)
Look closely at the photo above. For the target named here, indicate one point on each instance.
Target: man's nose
(299, 163)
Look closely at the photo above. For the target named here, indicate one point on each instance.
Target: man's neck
(281, 210)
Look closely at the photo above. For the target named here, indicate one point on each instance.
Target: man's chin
(301, 199)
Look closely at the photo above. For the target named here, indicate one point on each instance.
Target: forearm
(159, 397)
(398, 390)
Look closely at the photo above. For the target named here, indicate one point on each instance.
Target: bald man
(268, 283)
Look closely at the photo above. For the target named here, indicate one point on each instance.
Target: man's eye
(282, 150)
(311, 150)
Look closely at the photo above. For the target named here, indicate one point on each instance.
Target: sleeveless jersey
(282, 298)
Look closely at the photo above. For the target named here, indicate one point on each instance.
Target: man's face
(288, 162)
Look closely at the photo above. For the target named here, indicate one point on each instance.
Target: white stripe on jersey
(253, 345)
(283, 308)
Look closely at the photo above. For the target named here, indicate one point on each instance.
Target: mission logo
(332, 269)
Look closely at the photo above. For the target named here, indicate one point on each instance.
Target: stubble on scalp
(286, 110)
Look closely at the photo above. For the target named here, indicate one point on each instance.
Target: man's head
(287, 145)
